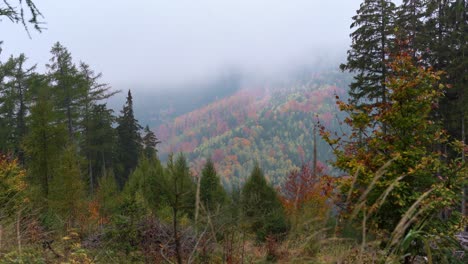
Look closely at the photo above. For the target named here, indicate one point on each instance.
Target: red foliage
(304, 186)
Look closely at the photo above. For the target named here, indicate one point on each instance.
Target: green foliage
(66, 190)
(98, 142)
(28, 256)
(128, 141)
(398, 177)
(98, 137)
(179, 186)
(68, 94)
(17, 13)
(46, 137)
(108, 195)
(123, 231)
(148, 180)
(371, 41)
(150, 141)
(261, 207)
(212, 194)
(15, 87)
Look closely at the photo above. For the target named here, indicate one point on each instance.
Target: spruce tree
(212, 193)
(371, 42)
(261, 206)
(128, 140)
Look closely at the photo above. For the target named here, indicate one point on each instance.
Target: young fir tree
(128, 140)
(147, 180)
(180, 191)
(212, 194)
(261, 207)
(66, 189)
(108, 195)
(371, 41)
(150, 141)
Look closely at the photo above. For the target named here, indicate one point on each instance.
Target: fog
(153, 44)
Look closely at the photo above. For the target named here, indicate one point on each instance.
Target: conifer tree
(96, 133)
(150, 141)
(181, 195)
(261, 206)
(148, 181)
(67, 89)
(212, 193)
(66, 190)
(107, 194)
(99, 142)
(13, 103)
(46, 136)
(371, 42)
(129, 141)
(411, 16)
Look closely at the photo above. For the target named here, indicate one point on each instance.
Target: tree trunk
(176, 236)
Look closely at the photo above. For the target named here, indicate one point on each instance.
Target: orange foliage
(306, 188)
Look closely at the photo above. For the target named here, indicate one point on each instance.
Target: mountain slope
(271, 125)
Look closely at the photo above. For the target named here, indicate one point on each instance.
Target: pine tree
(261, 206)
(150, 141)
(212, 193)
(374, 23)
(129, 141)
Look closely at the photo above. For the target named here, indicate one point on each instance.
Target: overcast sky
(150, 42)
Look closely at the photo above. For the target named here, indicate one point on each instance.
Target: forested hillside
(270, 125)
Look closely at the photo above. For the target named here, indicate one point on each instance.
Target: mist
(158, 44)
